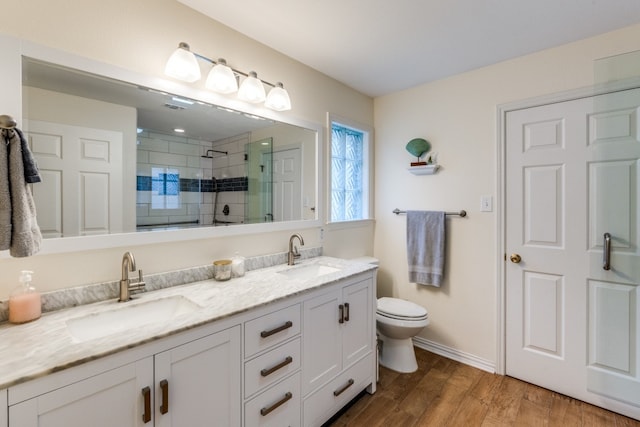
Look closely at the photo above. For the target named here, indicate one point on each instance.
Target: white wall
(139, 36)
(458, 116)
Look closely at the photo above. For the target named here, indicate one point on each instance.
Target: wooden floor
(444, 392)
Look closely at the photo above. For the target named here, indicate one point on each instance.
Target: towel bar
(462, 213)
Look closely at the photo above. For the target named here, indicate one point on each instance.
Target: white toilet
(398, 321)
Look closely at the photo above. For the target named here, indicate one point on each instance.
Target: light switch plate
(486, 204)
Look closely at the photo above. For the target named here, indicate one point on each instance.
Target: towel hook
(7, 122)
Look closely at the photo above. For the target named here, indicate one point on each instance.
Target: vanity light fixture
(183, 65)
(251, 89)
(278, 98)
(221, 78)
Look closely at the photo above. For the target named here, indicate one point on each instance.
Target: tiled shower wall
(189, 200)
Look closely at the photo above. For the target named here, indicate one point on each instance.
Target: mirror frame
(16, 49)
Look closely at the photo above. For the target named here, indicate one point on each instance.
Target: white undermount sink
(128, 316)
(308, 271)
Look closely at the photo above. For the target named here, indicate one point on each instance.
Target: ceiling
(382, 46)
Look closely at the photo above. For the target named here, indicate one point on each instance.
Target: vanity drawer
(271, 329)
(271, 367)
(336, 393)
(278, 406)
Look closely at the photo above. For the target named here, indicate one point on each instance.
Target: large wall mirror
(119, 157)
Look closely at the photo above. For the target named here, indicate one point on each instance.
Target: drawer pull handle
(285, 362)
(164, 386)
(341, 311)
(346, 311)
(287, 325)
(146, 395)
(267, 411)
(343, 389)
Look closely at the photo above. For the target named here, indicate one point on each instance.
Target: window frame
(367, 167)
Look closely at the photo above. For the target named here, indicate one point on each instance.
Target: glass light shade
(221, 78)
(183, 65)
(278, 98)
(251, 89)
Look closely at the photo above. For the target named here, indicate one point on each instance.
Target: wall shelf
(424, 170)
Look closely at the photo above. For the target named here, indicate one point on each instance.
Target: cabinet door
(198, 383)
(357, 338)
(322, 340)
(113, 398)
(4, 422)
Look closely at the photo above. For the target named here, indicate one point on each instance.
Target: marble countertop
(44, 346)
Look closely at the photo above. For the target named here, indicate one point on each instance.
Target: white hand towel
(426, 247)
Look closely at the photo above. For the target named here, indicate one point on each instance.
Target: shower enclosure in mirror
(113, 158)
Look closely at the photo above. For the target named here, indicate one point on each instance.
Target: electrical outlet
(486, 204)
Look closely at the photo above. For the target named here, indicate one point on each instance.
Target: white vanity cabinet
(272, 386)
(184, 385)
(338, 346)
(294, 361)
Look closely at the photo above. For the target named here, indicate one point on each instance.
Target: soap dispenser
(24, 302)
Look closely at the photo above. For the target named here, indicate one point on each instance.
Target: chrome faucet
(126, 286)
(293, 251)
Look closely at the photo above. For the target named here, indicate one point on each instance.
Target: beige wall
(458, 116)
(139, 36)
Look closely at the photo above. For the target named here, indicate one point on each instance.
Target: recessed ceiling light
(182, 100)
(178, 130)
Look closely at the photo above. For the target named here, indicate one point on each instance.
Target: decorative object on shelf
(418, 147)
(183, 65)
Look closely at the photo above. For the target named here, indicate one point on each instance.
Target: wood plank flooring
(444, 392)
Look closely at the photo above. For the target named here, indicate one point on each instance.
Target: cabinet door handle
(146, 396)
(341, 311)
(344, 388)
(285, 362)
(287, 325)
(606, 253)
(164, 386)
(346, 311)
(267, 411)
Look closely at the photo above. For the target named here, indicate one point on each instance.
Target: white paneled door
(572, 322)
(287, 185)
(81, 171)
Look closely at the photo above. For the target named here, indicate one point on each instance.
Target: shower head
(210, 156)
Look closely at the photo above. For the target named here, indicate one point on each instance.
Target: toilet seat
(399, 309)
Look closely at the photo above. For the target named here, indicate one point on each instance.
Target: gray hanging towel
(426, 247)
(19, 231)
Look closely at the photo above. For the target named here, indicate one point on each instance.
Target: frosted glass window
(165, 188)
(348, 201)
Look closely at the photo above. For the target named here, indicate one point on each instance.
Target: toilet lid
(399, 308)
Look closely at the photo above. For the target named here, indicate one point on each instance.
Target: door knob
(515, 258)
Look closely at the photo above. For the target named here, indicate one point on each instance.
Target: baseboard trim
(457, 355)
